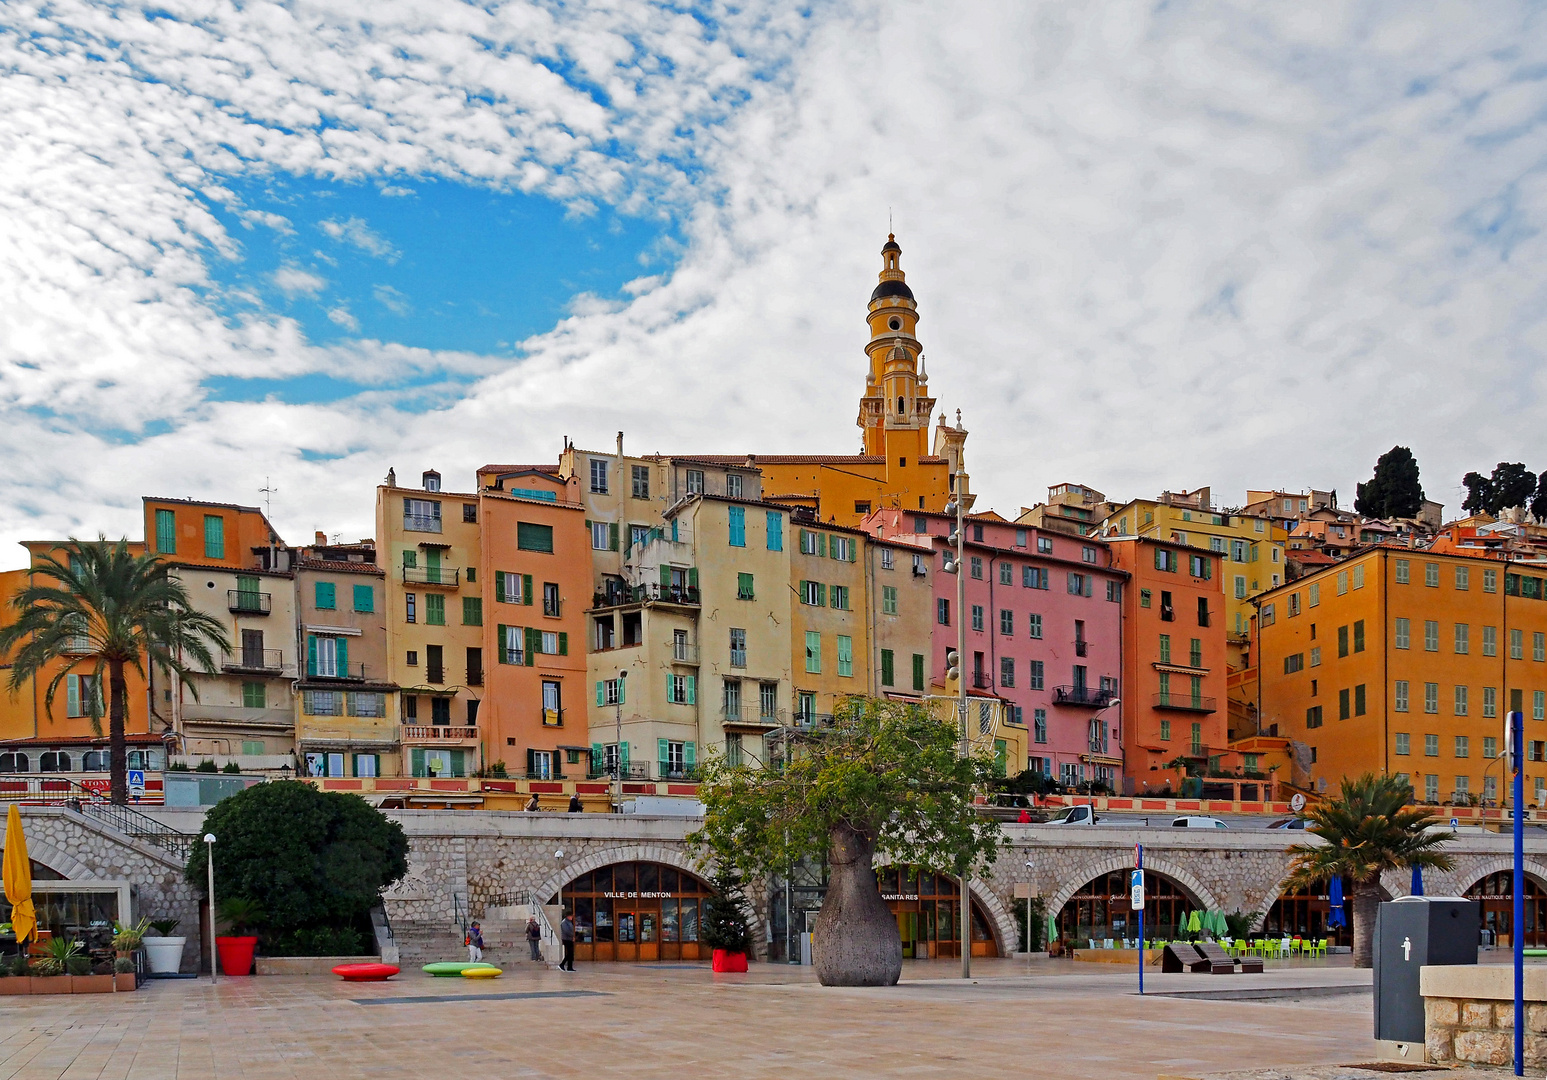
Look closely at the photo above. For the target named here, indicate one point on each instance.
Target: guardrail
(62, 791)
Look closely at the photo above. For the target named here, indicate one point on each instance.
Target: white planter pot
(164, 954)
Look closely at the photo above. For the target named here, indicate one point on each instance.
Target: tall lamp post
(209, 862)
(957, 508)
(617, 749)
(1096, 741)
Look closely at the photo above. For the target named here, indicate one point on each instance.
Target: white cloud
(292, 279)
(391, 299)
(1152, 246)
(357, 233)
(341, 316)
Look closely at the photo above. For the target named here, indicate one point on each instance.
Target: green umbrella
(1193, 923)
(1217, 922)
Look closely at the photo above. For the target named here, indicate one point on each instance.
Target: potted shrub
(243, 917)
(14, 977)
(163, 952)
(51, 971)
(123, 973)
(724, 927)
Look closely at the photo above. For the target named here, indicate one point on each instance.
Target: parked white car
(1073, 815)
(1195, 821)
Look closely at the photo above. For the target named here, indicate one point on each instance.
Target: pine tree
(1539, 500)
(1394, 490)
(1513, 485)
(1479, 493)
(724, 922)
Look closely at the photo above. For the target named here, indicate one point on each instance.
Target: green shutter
(311, 654)
(1000, 749)
(665, 575)
(853, 549)
(499, 585)
(501, 637)
(588, 525)
(689, 755)
(661, 754)
(821, 545)
(323, 595)
(534, 641)
(343, 656)
(598, 757)
(472, 611)
(622, 691)
(365, 598)
(563, 643)
(692, 690)
(526, 589)
(886, 667)
(600, 693)
(918, 671)
(73, 693)
(416, 762)
(166, 532)
(821, 594)
(625, 754)
(692, 577)
(214, 536)
(612, 536)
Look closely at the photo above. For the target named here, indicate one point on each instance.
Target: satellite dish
(1297, 802)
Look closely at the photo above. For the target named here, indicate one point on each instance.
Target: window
(1431, 575)
(434, 609)
(919, 569)
(1020, 537)
(166, 532)
(842, 548)
(1463, 577)
(598, 476)
(977, 567)
(1359, 700)
(1293, 606)
(1006, 574)
(977, 530)
(977, 617)
(1313, 717)
(214, 536)
(695, 481)
(1315, 656)
(813, 652)
(1431, 697)
(323, 593)
(1115, 592)
(888, 559)
(1463, 638)
(1342, 641)
(1033, 577)
(411, 658)
(1034, 624)
(1081, 584)
(511, 588)
(813, 593)
(1144, 598)
(888, 672)
(738, 648)
(1539, 704)
(1404, 744)
(1490, 581)
(1343, 704)
(1006, 671)
(1402, 569)
(364, 598)
(1216, 544)
(511, 647)
(371, 705)
(534, 537)
(254, 695)
(1088, 554)
(1490, 641)
(1201, 566)
(1461, 701)
(1431, 746)
(410, 607)
(1165, 731)
(1240, 587)
(1517, 645)
(840, 597)
(1463, 746)
(1358, 635)
(845, 656)
(1034, 675)
(812, 543)
(1294, 663)
(1399, 696)
(322, 703)
(918, 671)
(1165, 648)
(744, 587)
(736, 517)
(1358, 572)
(472, 611)
(327, 657)
(600, 534)
(1431, 788)
(1165, 560)
(768, 700)
(1431, 635)
(1490, 747)
(421, 515)
(776, 531)
(1007, 622)
(551, 599)
(681, 689)
(861, 506)
(553, 644)
(888, 599)
(640, 477)
(1403, 634)
(1490, 701)
(1539, 646)
(1039, 725)
(1044, 545)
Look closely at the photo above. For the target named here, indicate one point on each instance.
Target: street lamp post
(209, 862)
(1095, 742)
(558, 856)
(957, 507)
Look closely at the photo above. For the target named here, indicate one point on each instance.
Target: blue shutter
(775, 531)
(342, 646)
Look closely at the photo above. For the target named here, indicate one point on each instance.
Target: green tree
(308, 859)
(1479, 493)
(101, 603)
(886, 779)
(1539, 500)
(724, 922)
(1394, 490)
(1510, 484)
(1368, 828)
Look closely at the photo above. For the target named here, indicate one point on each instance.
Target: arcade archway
(1496, 893)
(637, 911)
(1101, 909)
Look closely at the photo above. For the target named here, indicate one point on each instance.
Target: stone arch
(40, 850)
(1479, 870)
(1277, 891)
(1000, 922)
(608, 856)
(1159, 864)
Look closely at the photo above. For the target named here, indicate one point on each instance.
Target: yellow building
(1251, 551)
(1077, 509)
(829, 638)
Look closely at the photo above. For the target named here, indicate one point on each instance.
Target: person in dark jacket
(534, 937)
(567, 938)
(574, 804)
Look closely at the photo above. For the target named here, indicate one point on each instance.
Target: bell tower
(895, 410)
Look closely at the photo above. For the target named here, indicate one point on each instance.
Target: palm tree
(1369, 828)
(101, 602)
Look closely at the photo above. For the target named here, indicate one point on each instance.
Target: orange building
(212, 534)
(1174, 672)
(536, 571)
(1405, 662)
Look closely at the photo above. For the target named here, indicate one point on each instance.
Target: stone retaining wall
(1469, 1014)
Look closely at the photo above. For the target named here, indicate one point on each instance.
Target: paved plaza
(1043, 1019)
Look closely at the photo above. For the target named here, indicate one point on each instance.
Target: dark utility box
(1410, 933)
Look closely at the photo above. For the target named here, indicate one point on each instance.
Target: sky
(1155, 246)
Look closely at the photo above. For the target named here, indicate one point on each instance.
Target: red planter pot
(729, 961)
(236, 954)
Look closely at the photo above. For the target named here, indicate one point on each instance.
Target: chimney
(321, 538)
(620, 444)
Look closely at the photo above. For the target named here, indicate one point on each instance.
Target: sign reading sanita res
(900, 896)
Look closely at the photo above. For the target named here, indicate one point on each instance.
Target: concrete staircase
(504, 940)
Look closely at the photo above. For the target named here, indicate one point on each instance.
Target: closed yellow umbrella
(18, 878)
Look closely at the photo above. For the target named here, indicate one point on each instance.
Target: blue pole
(1517, 796)
(1138, 853)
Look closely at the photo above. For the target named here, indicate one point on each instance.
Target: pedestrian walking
(567, 937)
(534, 937)
(574, 804)
(474, 944)
(531, 804)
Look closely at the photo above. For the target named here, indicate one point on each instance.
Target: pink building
(1044, 633)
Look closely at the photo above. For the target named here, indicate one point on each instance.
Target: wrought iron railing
(421, 523)
(244, 602)
(1186, 702)
(256, 661)
(449, 576)
(1091, 696)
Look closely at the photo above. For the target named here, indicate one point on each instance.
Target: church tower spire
(895, 409)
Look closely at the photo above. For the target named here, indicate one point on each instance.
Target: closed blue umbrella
(1417, 881)
(1335, 917)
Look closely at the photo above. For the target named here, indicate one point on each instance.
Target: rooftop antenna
(267, 491)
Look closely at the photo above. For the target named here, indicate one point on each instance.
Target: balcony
(244, 602)
(683, 653)
(1085, 696)
(255, 662)
(421, 523)
(669, 771)
(982, 681)
(446, 576)
(553, 717)
(1186, 702)
(341, 672)
(631, 771)
(1082, 648)
(437, 733)
(644, 594)
(749, 715)
(738, 658)
(813, 721)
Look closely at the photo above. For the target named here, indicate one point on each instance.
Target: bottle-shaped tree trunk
(857, 943)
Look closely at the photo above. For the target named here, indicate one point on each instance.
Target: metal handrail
(90, 803)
